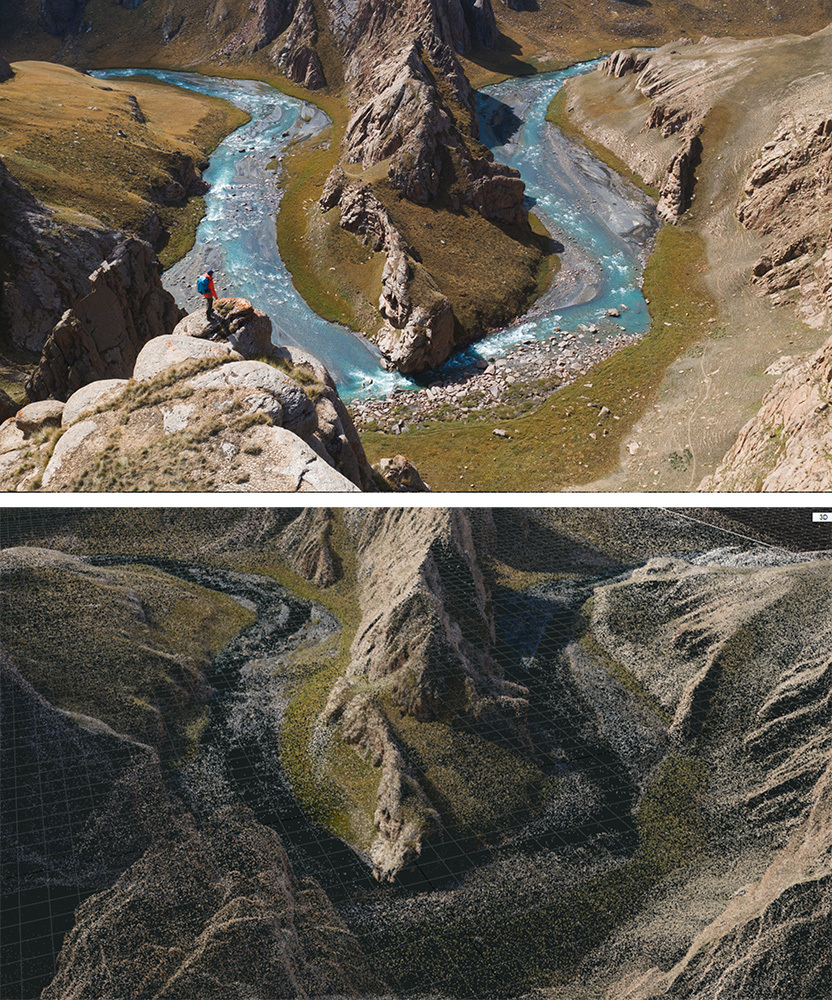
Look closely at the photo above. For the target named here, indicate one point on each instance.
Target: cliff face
(787, 445)
(47, 264)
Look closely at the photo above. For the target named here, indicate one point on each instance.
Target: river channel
(605, 225)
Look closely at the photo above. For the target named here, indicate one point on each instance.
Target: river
(604, 224)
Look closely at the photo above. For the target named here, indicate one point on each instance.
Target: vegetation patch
(128, 646)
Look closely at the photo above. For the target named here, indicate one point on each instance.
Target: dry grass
(59, 135)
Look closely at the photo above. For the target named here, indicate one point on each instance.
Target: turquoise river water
(604, 225)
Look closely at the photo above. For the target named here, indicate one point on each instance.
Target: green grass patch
(501, 950)
(551, 448)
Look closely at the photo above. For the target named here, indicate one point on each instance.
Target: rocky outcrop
(624, 61)
(197, 415)
(235, 321)
(412, 109)
(417, 335)
(251, 922)
(680, 178)
(268, 19)
(429, 650)
(6, 72)
(401, 475)
(305, 546)
(298, 58)
(788, 198)
(34, 289)
(101, 335)
(787, 445)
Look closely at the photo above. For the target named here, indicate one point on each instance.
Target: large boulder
(162, 353)
(101, 336)
(247, 330)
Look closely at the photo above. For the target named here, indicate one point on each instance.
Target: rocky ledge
(212, 405)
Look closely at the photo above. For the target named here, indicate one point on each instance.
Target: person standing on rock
(205, 286)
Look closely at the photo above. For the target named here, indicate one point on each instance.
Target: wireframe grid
(492, 907)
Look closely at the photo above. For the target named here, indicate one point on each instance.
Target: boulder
(247, 330)
(292, 407)
(102, 334)
(90, 396)
(163, 353)
(45, 413)
(401, 475)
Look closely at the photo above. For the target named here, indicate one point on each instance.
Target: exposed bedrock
(215, 406)
(101, 335)
(48, 263)
(425, 642)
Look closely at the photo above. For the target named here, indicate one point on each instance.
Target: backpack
(203, 283)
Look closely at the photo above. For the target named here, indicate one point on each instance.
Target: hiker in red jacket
(205, 286)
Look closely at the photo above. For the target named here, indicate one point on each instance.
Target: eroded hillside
(734, 134)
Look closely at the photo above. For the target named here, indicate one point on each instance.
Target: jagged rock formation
(101, 335)
(196, 415)
(47, 264)
(430, 653)
(788, 198)
(412, 108)
(787, 445)
(252, 926)
(299, 58)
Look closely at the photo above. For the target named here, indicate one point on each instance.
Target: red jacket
(212, 292)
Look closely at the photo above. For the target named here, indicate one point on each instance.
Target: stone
(163, 353)
(6, 72)
(34, 416)
(90, 396)
(103, 332)
(399, 473)
(247, 330)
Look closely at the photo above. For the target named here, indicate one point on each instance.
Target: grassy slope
(127, 651)
(59, 136)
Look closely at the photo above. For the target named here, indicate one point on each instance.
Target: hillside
(735, 135)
